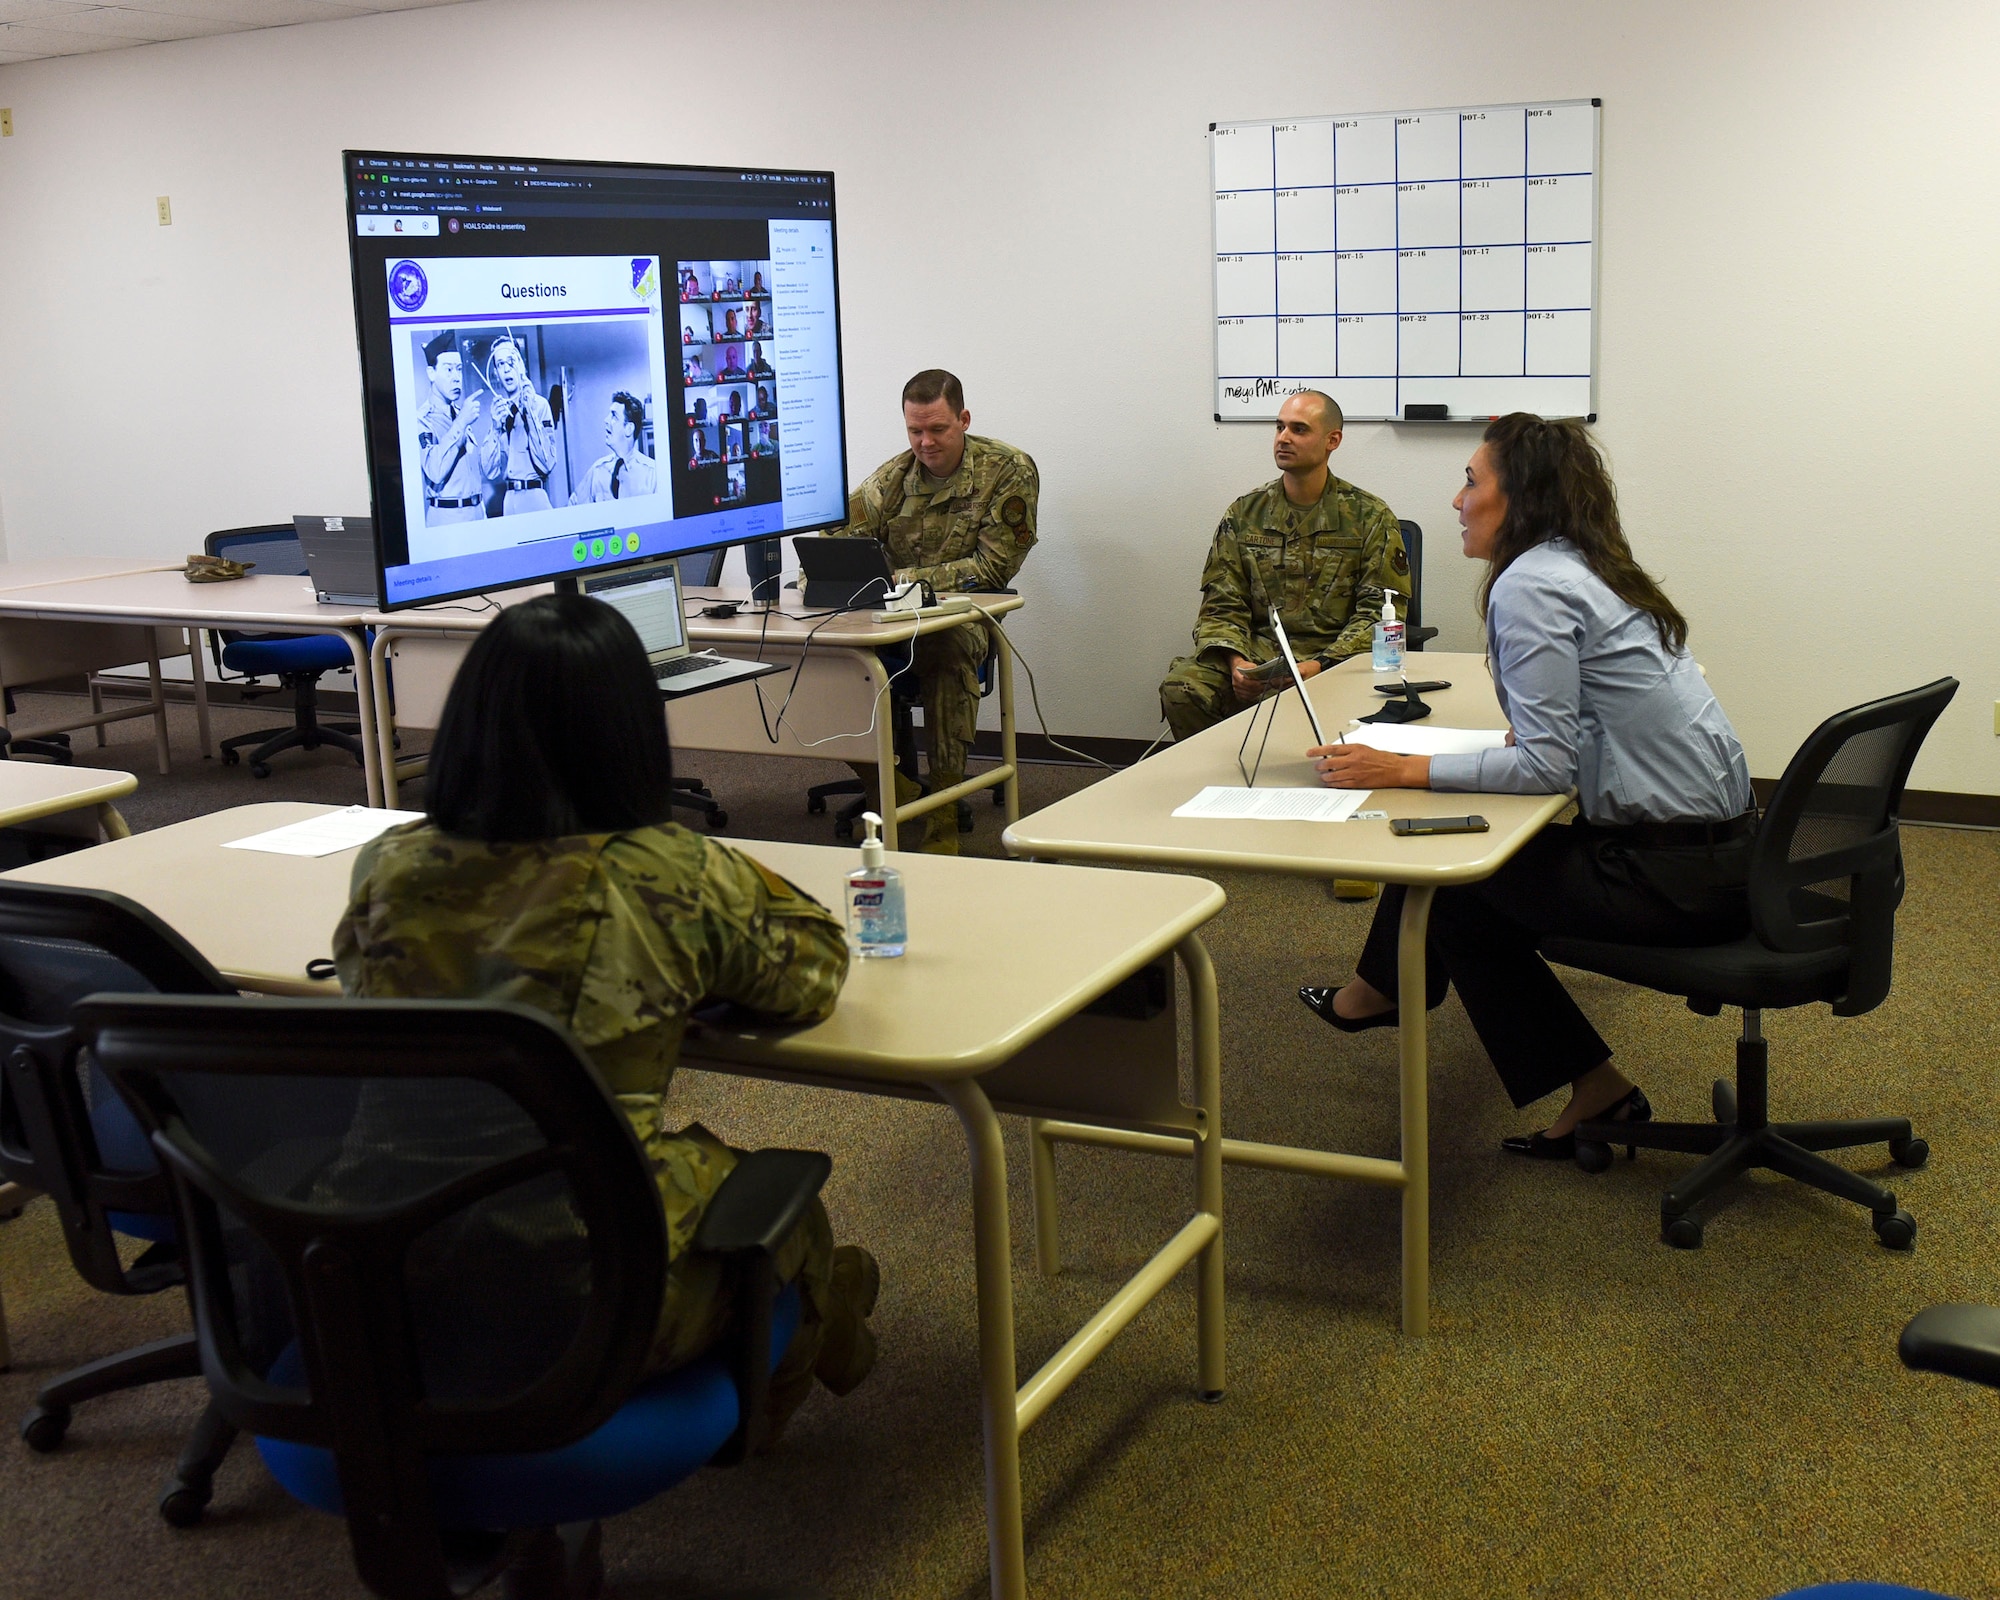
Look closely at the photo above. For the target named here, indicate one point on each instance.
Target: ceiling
(31, 30)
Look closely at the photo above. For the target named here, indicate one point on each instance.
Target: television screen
(569, 365)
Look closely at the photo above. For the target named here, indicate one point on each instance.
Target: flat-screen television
(572, 365)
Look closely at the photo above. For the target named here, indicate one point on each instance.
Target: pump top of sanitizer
(871, 845)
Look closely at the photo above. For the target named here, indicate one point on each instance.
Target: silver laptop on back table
(649, 596)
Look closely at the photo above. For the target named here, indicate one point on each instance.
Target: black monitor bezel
(368, 410)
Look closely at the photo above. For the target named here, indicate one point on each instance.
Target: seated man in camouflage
(958, 512)
(1314, 548)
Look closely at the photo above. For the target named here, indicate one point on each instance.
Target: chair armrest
(755, 1211)
(1417, 638)
(761, 1201)
(1961, 1341)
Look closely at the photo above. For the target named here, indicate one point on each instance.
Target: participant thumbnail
(730, 381)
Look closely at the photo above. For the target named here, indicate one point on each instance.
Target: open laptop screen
(650, 598)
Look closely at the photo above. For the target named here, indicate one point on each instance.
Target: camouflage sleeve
(776, 950)
(1383, 566)
(348, 932)
(1224, 621)
(1005, 535)
(864, 508)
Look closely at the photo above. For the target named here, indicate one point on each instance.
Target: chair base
(1743, 1137)
(846, 818)
(691, 794)
(307, 732)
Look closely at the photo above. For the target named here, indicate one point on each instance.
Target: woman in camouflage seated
(547, 872)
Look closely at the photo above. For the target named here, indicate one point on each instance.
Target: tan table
(1015, 1040)
(30, 791)
(842, 697)
(1127, 820)
(268, 603)
(34, 652)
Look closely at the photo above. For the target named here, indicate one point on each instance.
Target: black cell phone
(1428, 686)
(1417, 827)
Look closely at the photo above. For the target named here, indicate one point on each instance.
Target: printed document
(1421, 739)
(326, 835)
(1274, 805)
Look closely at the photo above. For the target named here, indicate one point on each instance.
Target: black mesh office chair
(1826, 876)
(1415, 634)
(65, 1132)
(427, 1257)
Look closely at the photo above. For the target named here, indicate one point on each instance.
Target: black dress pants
(1585, 882)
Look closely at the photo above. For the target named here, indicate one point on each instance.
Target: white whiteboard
(1409, 258)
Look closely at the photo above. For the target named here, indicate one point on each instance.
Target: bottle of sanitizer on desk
(1388, 640)
(875, 920)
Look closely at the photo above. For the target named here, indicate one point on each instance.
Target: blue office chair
(427, 1261)
(296, 660)
(1415, 634)
(64, 1131)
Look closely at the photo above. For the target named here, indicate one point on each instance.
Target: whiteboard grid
(1408, 258)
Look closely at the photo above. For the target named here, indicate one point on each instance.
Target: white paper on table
(1274, 805)
(1421, 739)
(326, 835)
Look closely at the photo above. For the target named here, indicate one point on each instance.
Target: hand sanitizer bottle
(875, 920)
(1388, 640)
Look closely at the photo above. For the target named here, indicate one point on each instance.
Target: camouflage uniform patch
(1323, 568)
(971, 532)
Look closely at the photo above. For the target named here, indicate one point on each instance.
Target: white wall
(1798, 375)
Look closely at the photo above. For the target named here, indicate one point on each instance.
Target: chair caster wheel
(43, 1428)
(184, 1504)
(1591, 1156)
(259, 769)
(963, 811)
(717, 821)
(999, 792)
(844, 831)
(231, 757)
(815, 804)
(1723, 1098)
(1897, 1230)
(1682, 1232)
(1909, 1152)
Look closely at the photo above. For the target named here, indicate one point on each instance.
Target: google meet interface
(570, 364)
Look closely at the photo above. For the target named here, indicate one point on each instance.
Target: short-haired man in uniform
(524, 428)
(456, 467)
(1310, 546)
(627, 470)
(958, 512)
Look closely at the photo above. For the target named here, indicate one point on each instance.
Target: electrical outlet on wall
(166, 209)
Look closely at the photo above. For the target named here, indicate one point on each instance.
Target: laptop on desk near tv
(649, 596)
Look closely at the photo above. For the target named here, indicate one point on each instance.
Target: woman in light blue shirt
(1590, 661)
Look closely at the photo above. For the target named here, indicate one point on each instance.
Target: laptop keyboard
(692, 663)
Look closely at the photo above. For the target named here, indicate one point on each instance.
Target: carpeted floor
(1594, 1414)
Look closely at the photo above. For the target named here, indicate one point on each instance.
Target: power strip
(944, 608)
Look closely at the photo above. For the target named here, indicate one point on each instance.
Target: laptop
(340, 557)
(843, 574)
(649, 596)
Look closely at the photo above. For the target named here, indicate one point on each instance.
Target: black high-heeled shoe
(1632, 1107)
(1318, 999)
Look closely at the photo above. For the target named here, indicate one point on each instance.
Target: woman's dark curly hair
(1557, 488)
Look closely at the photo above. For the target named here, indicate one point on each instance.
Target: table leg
(1008, 754)
(113, 824)
(200, 676)
(1207, 1159)
(385, 718)
(1042, 1182)
(364, 698)
(159, 704)
(97, 707)
(1006, 1548)
(1415, 1039)
(885, 750)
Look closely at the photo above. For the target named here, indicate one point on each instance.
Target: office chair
(449, 1350)
(49, 747)
(295, 659)
(904, 697)
(1415, 634)
(65, 1132)
(1826, 876)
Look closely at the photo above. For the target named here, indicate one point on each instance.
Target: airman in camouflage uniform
(619, 936)
(1323, 567)
(968, 527)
